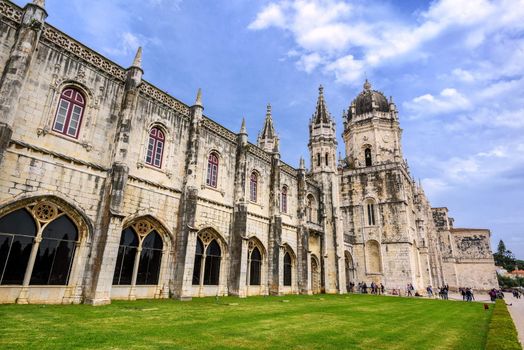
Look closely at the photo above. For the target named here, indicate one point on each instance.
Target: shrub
(502, 334)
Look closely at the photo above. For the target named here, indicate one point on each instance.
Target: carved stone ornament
(206, 237)
(45, 211)
(143, 227)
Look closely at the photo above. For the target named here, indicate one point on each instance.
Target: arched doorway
(315, 275)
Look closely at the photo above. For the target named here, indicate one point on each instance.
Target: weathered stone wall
(101, 177)
(474, 261)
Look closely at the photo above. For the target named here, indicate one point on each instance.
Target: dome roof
(368, 98)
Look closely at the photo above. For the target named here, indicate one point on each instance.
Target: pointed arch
(289, 262)
(144, 242)
(45, 252)
(210, 251)
(311, 208)
(256, 257)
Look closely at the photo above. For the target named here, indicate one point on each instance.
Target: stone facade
(277, 229)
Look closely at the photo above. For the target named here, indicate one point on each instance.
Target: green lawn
(305, 322)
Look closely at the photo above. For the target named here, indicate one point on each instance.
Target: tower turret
(371, 130)
(322, 138)
(268, 138)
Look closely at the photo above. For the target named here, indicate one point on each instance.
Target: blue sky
(454, 68)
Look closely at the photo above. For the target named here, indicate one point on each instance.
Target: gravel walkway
(517, 313)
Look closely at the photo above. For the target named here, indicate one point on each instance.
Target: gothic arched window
(253, 186)
(370, 211)
(283, 200)
(69, 112)
(150, 259)
(318, 159)
(17, 233)
(287, 269)
(327, 159)
(255, 266)
(367, 154)
(311, 209)
(212, 263)
(44, 253)
(208, 255)
(145, 270)
(55, 253)
(155, 147)
(212, 169)
(126, 257)
(197, 266)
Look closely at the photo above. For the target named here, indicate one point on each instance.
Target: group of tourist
(444, 292)
(467, 294)
(362, 287)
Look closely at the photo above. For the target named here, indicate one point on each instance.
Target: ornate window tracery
(254, 262)
(37, 245)
(208, 256)
(69, 112)
(139, 255)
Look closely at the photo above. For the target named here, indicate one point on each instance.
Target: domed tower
(371, 130)
(377, 196)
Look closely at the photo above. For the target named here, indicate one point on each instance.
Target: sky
(454, 68)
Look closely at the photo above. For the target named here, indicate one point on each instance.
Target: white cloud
(449, 100)
(272, 15)
(309, 62)
(339, 29)
(347, 69)
(463, 75)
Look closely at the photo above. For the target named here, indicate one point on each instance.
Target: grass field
(304, 322)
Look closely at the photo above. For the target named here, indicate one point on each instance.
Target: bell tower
(322, 138)
(322, 149)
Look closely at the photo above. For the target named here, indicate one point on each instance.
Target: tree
(504, 257)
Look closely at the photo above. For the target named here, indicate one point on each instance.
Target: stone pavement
(517, 313)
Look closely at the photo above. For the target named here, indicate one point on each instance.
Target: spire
(302, 165)
(243, 130)
(268, 132)
(367, 85)
(137, 62)
(268, 136)
(198, 101)
(321, 114)
(40, 3)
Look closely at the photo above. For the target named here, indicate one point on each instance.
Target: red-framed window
(155, 147)
(253, 186)
(69, 112)
(283, 201)
(212, 170)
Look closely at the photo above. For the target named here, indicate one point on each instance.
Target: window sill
(141, 165)
(286, 214)
(216, 189)
(256, 203)
(45, 131)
